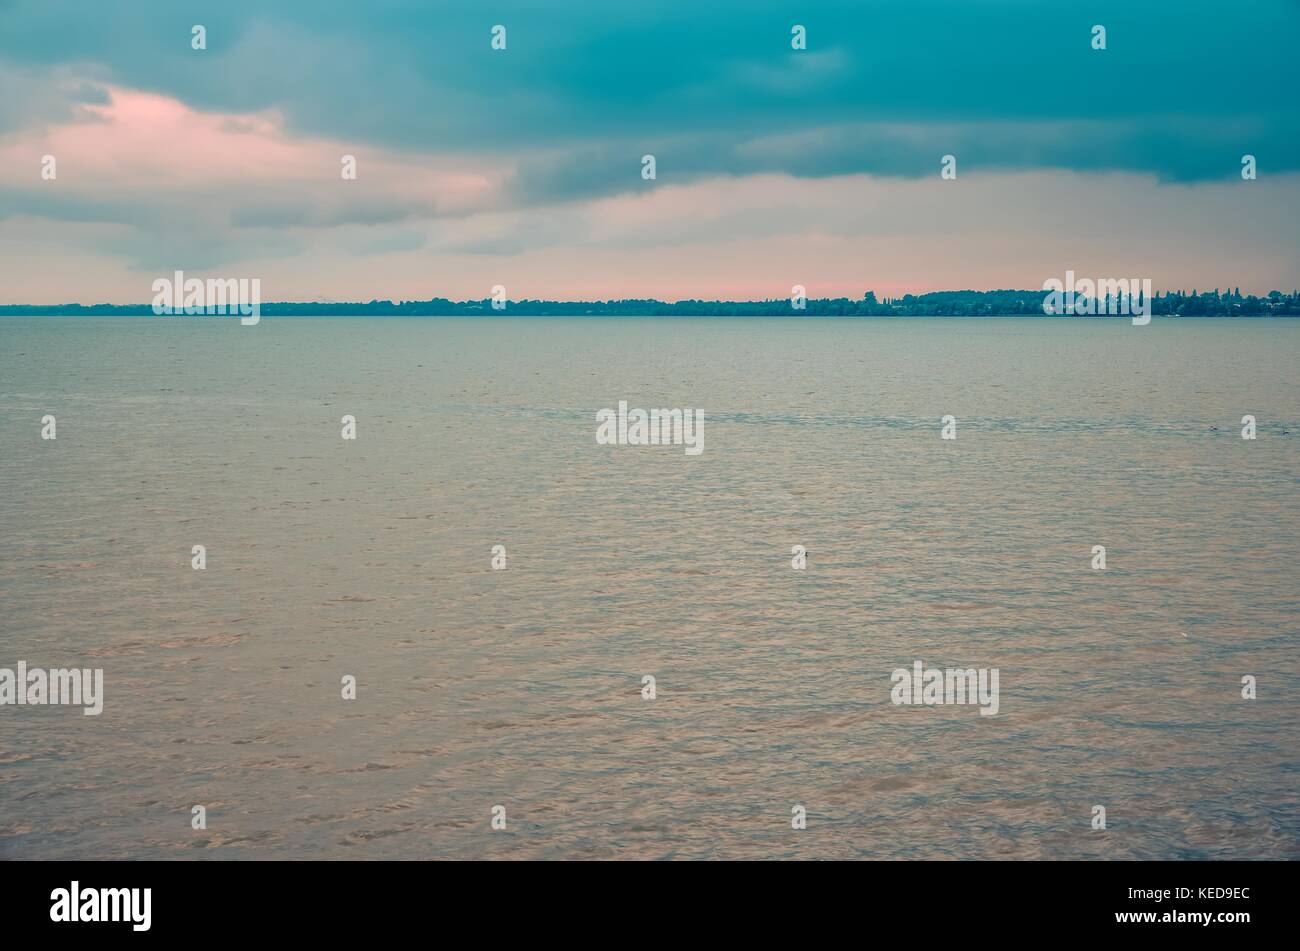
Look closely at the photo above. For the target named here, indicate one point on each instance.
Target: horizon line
(868, 296)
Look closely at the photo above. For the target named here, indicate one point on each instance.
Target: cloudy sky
(522, 166)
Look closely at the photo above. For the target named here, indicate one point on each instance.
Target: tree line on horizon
(1000, 303)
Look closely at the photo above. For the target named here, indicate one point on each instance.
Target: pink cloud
(147, 184)
(141, 140)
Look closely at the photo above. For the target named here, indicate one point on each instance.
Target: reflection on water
(523, 687)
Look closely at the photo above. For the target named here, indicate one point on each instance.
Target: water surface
(522, 687)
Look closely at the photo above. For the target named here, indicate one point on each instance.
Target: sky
(522, 167)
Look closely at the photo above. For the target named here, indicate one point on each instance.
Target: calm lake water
(522, 687)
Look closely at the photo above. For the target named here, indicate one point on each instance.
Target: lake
(372, 558)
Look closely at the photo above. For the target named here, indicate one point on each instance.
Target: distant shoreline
(1001, 303)
(87, 313)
